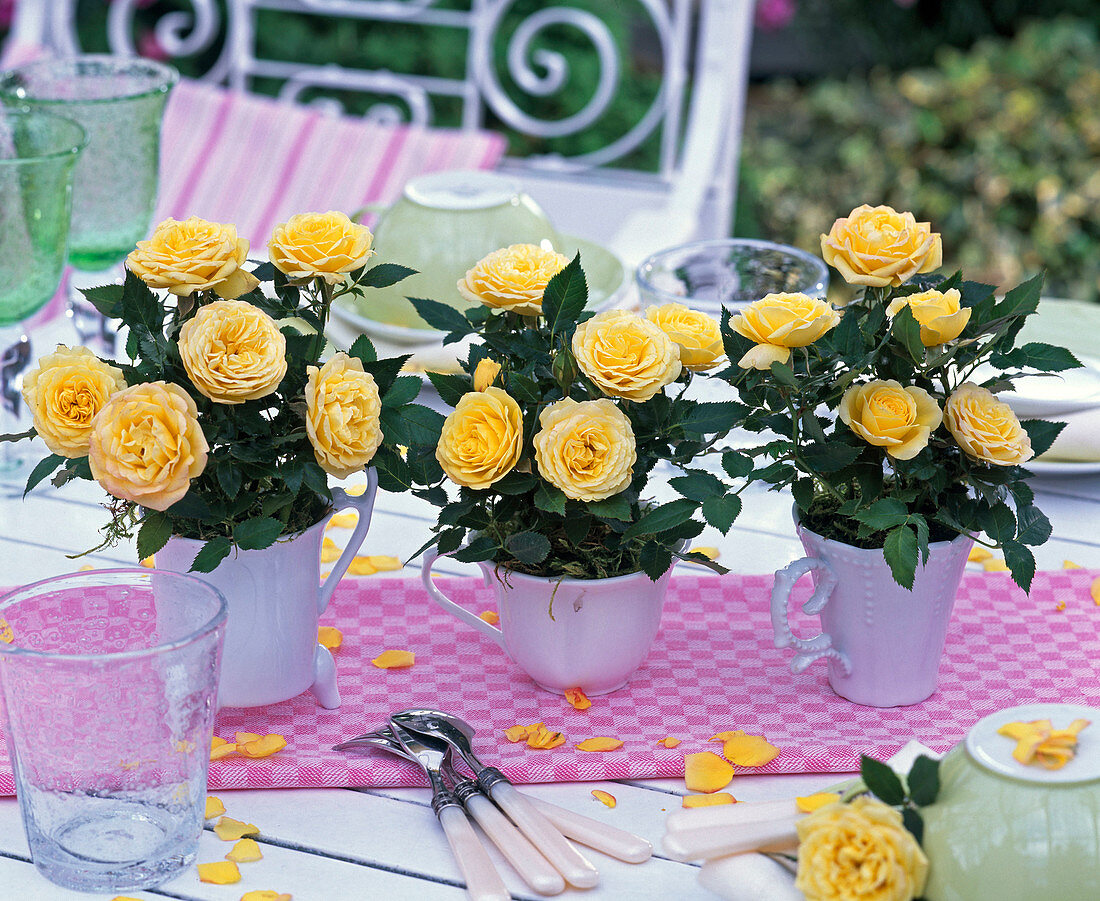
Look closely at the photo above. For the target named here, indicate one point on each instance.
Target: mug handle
(820, 645)
(476, 622)
(365, 505)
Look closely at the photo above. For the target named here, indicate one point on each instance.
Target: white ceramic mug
(564, 633)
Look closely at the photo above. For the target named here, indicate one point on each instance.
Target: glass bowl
(729, 272)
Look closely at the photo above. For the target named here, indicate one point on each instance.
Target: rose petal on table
(996, 565)
(241, 737)
(214, 808)
(604, 798)
(330, 550)
(1069, 564)
(599, 744)
(810, 803)
(711, 553)
(149, 562)
(330, 637)
(356, 490)
(544, 739)
(706, 772)
(669, 742)
(577, 698)
(345, 520)
(223, 750)
(221, 872)
(394, 659)
(265, 894)
(229, 829)
(708, 800)
(361, 566)
(1094, 590)
(515, 733)
(245, 851)
(385, 563)
(978, 554)
(6, 634)
(490, 616)
(87, 567)
(263, 746)
(748, 750)
(124, 898)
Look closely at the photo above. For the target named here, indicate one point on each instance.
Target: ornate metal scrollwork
(179, 33)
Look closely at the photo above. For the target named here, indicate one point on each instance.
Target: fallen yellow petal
(223, 750)
(604, 798)
(385, 562)
(266, 894)
(749, 750)
(87, 567)
(241, 737)
(669, 742)
(543, 739)
(6, 634)
(330, 637)
(330, 551)
(711, 553)
(706, 772)
(394, 659)
(599, 744)
(515, 733)
(356, 490)
(1094, 590)
(1069, 564)
(361, 566)
(577, 698)
(995, 565)
(229, 829)
(149, 562)
(810, 803)
(222, 872)
(245, 851)
(978, 554)
(214, 807)
(343, 520)
(708, 800)
(263, 746)
(1060, 606)
(490, 616)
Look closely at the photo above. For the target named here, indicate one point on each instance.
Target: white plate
(1056, 468)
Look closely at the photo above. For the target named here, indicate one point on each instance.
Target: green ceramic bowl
(442, 225)
(1001, 831)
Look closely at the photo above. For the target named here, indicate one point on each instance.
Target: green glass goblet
(38, 153)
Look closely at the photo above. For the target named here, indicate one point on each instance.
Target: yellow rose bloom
(512, 278)
(885, 414)
(146, 444)
(233, 352)
(626, 355)
(193, 255)
(485, 373)
(64, 392)
(585, 448)
(343, 411)
(695, 333)
(482, 439)
(878, 246)
(858, 851)
(940, 314)
(778, 322)
(327, 245)
(986, 428)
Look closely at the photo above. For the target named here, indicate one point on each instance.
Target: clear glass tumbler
(109, 685)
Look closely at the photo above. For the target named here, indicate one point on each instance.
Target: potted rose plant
(541, 470)
(883, 421)
(217, 438)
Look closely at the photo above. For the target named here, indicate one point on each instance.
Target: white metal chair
(697, 112)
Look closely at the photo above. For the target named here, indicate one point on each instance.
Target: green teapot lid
(993, 751)
(462, 190)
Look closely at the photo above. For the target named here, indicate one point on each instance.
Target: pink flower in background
(771, 15)
(149, 47)
(7, 10)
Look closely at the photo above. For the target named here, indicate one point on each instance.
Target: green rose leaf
(830, 457)
(924, 780)
(659, 519)
(41, 471)
(156, 529)
(565, 297)
(736, 464)
(1042, 434)
(914, 822)
(443, 317)
(211, 554)
(697, 485)
(881, 781)
(900, 552)
(1032, 525)
(906, 331)
(383, 275)
(451, 386)
(528, 547)
(615, 507)
(1020, 562)
(404, 389)
(715, 419)
(107, 299)
(363, 349)
(550, 499)
(256, 534)
(721, 511)
(884, 513)
(1037, 355)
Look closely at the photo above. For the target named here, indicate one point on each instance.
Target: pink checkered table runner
(712, 668)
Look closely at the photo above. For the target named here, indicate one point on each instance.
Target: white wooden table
(345, 845)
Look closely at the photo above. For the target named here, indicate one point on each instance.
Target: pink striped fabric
(255, 161)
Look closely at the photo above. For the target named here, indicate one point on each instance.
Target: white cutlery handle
(617, 843)
(729, 814)
(520, 853)
(705, 844)
(566, 859)
(483, 882)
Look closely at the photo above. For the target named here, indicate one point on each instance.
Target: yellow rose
(778, 322)
(585, 448)
(482, 439)
(696, 334)
(878, 246)
(485, 373)
(328, 245)
(193, 255)
(343, 413)
(513, 278)
(146, 444)
(986, 428)
(626, 355)
(64, 393)
(858, 852)
(885, 414)
(940, 314)
(233, 352)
